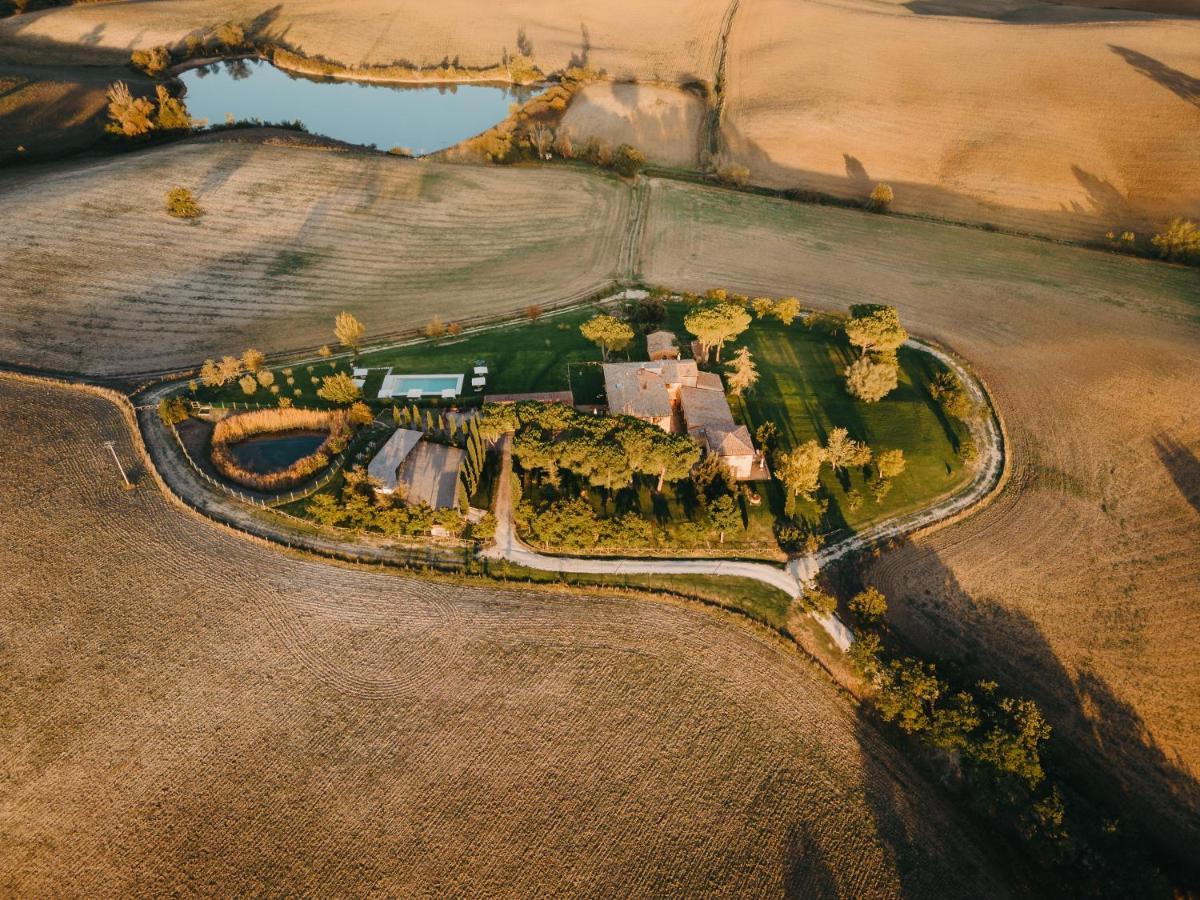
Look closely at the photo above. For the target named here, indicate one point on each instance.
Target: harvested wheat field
(1080, 584)
(186, 711)
(669, 40)
(664, 123)
(99, 279)
(1062, 129)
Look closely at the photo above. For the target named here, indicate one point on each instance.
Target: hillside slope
(99, 279)
(669, 40)
(1062, 129)
(1080, 584)
(187, 712)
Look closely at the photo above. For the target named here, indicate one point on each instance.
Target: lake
(422, 118)
(272, 452)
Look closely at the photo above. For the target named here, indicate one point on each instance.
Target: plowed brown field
(1080, 585)
(187, 712)
(97, 278)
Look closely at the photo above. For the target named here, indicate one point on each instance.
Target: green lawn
(800, 389)
(546, 354)
(760, 601)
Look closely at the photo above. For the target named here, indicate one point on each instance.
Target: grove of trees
(877, 333)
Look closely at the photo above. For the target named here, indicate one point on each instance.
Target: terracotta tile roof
(703, 407)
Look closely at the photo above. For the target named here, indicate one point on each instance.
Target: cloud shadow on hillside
(1019, 12)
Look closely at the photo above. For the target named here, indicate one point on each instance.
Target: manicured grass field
(802, 390)
(544, 354)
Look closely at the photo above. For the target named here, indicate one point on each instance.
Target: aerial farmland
(670, 449)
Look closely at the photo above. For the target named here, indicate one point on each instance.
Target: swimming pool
(428, 385)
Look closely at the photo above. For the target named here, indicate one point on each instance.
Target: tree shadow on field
(1178, 83)
(856, 171)
(932, 847)
(806, 870)
(1101, 745)
(921, 371)
(1182, 465)
(1107, 202)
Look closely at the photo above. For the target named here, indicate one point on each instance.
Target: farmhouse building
(384, 466)
(425, 472)
(676, 396)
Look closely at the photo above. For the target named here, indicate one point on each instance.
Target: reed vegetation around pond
(235, 429)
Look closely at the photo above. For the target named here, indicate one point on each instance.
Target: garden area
(855, 427)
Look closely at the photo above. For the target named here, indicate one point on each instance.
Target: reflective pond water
(421, 118)
(272, 452)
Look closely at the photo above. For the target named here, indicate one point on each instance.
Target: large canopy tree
(875, 328)
(608, 333)
(714, 325)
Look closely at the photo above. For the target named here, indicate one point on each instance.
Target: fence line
(272, 504)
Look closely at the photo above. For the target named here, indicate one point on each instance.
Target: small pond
(272, 452)
(421, 118)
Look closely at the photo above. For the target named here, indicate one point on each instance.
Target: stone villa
(677, 397)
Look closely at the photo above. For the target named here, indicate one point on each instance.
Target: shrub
(881, 198)
(435, 328)
(266, 378)
(733, 173)
(181, 203)
(129, 116)
(869, 605)
(628, 160)
(249, 384)
(1180, 241)
(152, 61)
(533, 311)
(563, 145)
(253, 359)
(172, 114)
(454, 328)
(817, 601)
(172, 410)
(338, 388)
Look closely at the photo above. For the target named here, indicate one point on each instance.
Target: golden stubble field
(98, 278)
(1037, 117)
(668, 40)
(188, 712)
(664, 123)
(1080, 584)
(1068, 129)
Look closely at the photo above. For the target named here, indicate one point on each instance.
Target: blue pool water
(429, 385)
(421, 118)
